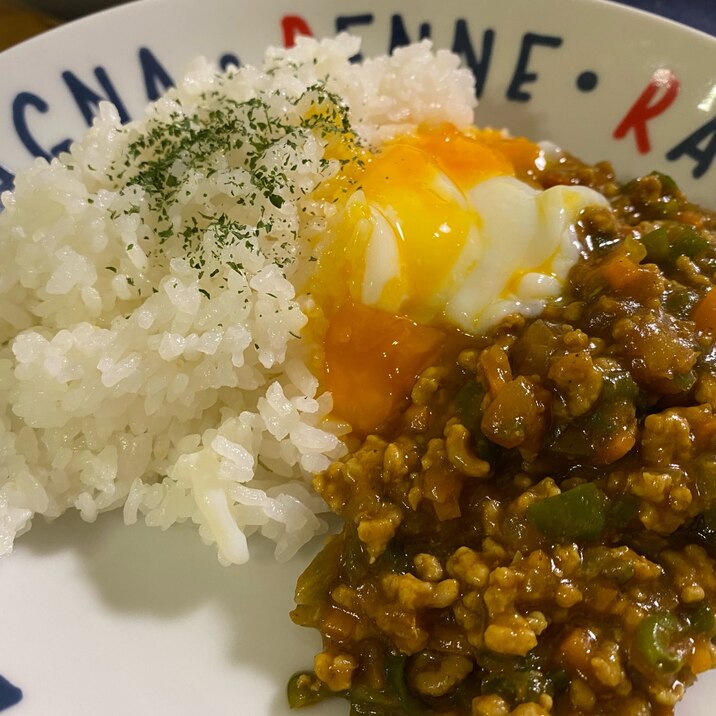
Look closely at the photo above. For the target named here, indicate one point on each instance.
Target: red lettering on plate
(293, 25)
(648, 106)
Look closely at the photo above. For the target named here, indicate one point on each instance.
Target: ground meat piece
(413, 593)
(460, 454)
(428, 567)
(693, 572)
(436, 674)
(375, 532)
(578, 381)
(493, 705)
(490, 705)
(665, 498)
(467, 566)
(666, 439)
(535, 535)
(510, 634)
(656, 348)
(517, 417)
(335, 669)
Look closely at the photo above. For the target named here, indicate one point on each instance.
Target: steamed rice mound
(153, 351)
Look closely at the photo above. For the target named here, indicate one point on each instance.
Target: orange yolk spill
(372, 356)
(418, 182)
(372, 360)
(519, 151)
(466, 157)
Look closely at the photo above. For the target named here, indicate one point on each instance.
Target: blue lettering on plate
(20, 105)
(7, 179)
(9, 694)
(227, 60)
(61, 147)
(88, 100)
(344, 22)
(399, 35)
(587, 81)
(462, 45)
(156, 79)
(521, 75)
(691, 147)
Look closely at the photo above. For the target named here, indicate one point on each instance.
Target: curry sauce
(537, 532)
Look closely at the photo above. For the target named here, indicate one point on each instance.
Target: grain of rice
(152, 347)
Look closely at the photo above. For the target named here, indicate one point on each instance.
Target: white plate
(103, 619)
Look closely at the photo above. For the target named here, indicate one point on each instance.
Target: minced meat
(542, 539)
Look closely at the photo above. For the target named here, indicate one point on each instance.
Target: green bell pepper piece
(579, 513)
(657, 636)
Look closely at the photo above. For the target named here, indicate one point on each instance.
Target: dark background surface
(697, 13)
(700, 14)
(20, 19)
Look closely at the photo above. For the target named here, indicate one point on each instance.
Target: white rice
(130, 378)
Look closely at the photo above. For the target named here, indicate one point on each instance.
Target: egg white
(518, 251)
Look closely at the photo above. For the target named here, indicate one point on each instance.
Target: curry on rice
(535, 532)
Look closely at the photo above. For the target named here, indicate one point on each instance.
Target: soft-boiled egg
(438, 232)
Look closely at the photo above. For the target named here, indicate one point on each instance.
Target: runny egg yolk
(416, 185)
(372, 359)
(439, 234)
(406, 226)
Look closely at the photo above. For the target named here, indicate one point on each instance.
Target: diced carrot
(704, 314)
(442, 488)
(338, 624)
(621, 273)
(577, 648)
(701, 658)
(619, 443)
(496, 366)
(372, 361)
